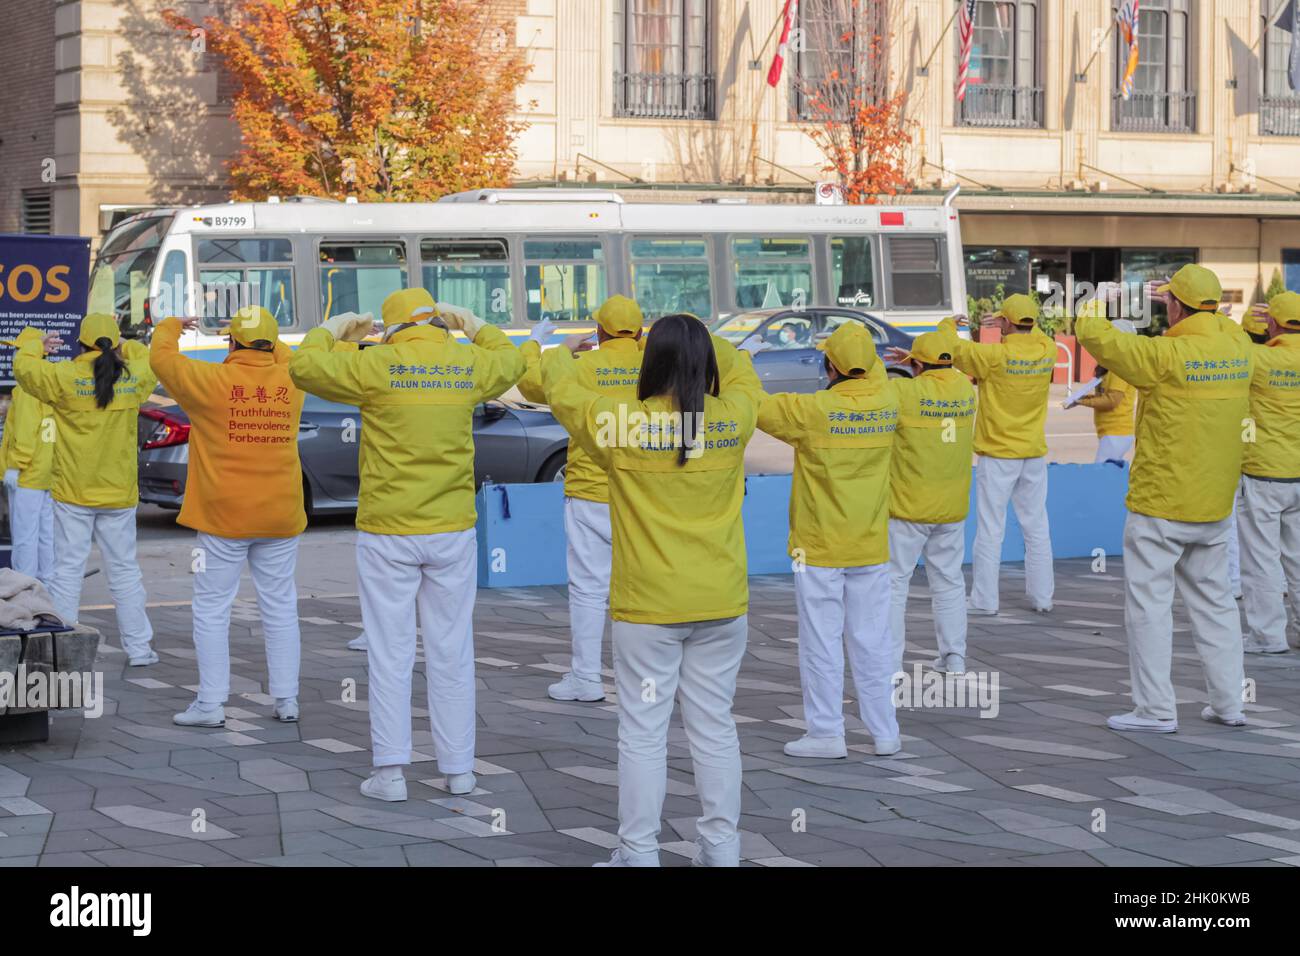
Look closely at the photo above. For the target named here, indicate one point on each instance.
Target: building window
(1003, 87)
(662, 59)
(36, 213)
(1279, 110)
(1163, 98)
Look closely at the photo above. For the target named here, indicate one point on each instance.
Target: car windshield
(736, 328)
(125, 266)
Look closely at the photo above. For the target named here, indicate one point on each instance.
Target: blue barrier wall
(521, 527)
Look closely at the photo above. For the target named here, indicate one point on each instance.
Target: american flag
(1128, 28)
(965, 33)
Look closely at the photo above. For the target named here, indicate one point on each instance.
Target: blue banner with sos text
(44, 281)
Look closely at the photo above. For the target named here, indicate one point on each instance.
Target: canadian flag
(778, 61)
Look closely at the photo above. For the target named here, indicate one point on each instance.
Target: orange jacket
(245, 480)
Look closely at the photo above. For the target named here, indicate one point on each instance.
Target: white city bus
(516, 256)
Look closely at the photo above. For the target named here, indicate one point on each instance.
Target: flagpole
(758, 103)
(924, 69)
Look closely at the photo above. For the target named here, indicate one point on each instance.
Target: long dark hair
(108, 367)
(679, 362)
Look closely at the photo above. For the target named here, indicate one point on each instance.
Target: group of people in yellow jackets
(659, 422)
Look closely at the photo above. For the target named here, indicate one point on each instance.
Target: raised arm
(32, 372)
(184, 378)
(497, 363)
(321, 369)
(1137, 359)
(530, 386)
(977, 359)
(580, 410)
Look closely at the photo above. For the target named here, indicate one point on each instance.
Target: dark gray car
(514, 442)
(792, 363)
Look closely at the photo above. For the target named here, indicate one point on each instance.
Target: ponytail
(109, 367)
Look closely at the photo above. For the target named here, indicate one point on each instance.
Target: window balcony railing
(1005, 107)
(1279, 116)
(664, 95)
(1149, 112)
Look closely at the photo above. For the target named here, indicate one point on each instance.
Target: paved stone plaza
(1042, 783)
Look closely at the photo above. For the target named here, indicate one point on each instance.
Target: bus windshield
(120, 279)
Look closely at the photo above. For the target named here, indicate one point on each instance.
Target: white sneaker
(1043, 610)
(573, 687)
(617, 858)
(461, 783)
(887, 748)
(1132, 721)
(199, 714)
(143, 660)
(359, 643)
(950, 664)
(1252, 645)
(973, 611)
(817, 748)
(1231, 720)
(286, 710)
(388, 789)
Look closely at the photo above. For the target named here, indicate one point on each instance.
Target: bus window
(471, 273)
(671, 275)
(172, 286)
(358, 276)
(916, 273)
(125, 264)
(853, 277)
(564, 278)
(772, 271)
(234, 273)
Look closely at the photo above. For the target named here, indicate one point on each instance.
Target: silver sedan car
(514, 443)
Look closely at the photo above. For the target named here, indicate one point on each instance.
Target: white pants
(1234, 544)
(853, 604)
(1157, 555)
(1023, 483)
(435, 575)
(696, 663)
(944, 546)
(31, 522)
(271, 564)
(113, 529)
(590, 554)
(1269, 522)
(1113, 448)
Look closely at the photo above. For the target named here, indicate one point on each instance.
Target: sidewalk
(1044, 782)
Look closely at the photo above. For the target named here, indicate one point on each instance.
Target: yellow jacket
(839, 498)
(1112, 406)
(417, 395)
(1015, 380)
(28, 443)
(244, 478)
(1275, 408)
(1195, 384)
(679, 543)
(931, 471)
(613, 369)
(95, 464)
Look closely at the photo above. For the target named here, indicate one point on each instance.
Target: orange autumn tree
(845, 87)
(401, 100)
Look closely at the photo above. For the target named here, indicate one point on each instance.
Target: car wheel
(554, 468)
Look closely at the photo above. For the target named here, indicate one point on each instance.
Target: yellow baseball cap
(1019, 310)
(1195, 286)
(252, 324)
(1285, 309)
(851, 350)
(620, 316)
(1253, 324)
(98, 326)
(408, 305)
(931, 349)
